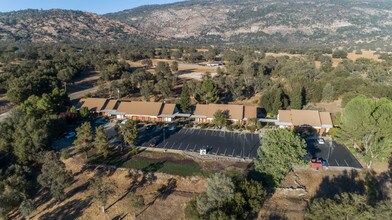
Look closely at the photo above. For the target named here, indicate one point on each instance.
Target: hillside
(210, 21)
(266, 21)
(61, 25)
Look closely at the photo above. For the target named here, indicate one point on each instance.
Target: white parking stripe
(337, 162)
(225, 152)
(195, 147)
(233, 153)
(217, 151)
(205, 133)
(165, 144)
(172, 145)
(198, 132)
(179, 147)
(346, 163)
(187, 147)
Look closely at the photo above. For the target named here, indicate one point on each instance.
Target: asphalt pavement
(336, 155)
(215, 142)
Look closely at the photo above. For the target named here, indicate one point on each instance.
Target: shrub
(65, 154)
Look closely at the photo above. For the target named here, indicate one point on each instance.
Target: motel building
(320, 121)
(204, 113)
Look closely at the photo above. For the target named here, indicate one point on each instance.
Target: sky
(95, 6)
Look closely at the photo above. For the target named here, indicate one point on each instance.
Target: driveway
(336, 155)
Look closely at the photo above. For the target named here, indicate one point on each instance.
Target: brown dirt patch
(332, 107)
(290, 200)
(79, 203)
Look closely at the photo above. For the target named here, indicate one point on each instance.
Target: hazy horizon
(99, 7)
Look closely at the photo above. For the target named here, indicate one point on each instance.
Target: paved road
(221, 143)
(81, 94)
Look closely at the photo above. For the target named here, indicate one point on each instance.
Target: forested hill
(61, 25)
(266, 21)
(291, 22)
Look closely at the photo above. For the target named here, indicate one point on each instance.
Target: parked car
(320, 141)
(150, 126)
(70, 135)
(172, 127)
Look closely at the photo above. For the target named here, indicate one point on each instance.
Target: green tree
(174, 66)
(148, 63)
(339, 54)
(296, 98)
(84, 112)
(281, 150)
(328, 93)
(101, 191)
(101, 142)
(185, 100)
(277, 104)
(209, 92)
(146, 90)
(162, 67)
(30, 137)
(366, 125)
(219, 190)
(84, 138)
(220, 118)
(54, 175)
(26, 207)
(345, 206)
(130, 132)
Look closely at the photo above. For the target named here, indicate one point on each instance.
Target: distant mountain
(210, 21)
(266, 21)
(61, 25)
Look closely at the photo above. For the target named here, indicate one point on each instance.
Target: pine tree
(209, 92)
(185, 101)
(296, 98)
(84, 138)
(129, 132)
(277, 105)
(328, 93)
(101, 141)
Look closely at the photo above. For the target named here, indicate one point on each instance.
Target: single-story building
(204, 113)
(215, 63)
(146, 111)
(95, 105)
(99, 105)
(321, 121)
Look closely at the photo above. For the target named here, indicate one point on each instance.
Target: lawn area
(181, 168)
(148, 161)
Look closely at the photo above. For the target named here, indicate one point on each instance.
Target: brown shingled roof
(326, 119)
(250, 112)
(93, 104)
(111, 105)
(305, 117)
(168, 109)
(234, 111)
(140, 108)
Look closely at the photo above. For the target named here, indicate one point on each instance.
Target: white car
(321, 141)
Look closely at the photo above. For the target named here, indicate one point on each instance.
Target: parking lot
(216, 142)
(334, 154)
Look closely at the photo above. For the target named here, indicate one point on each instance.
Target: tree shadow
(163, 192)
(154, 167)
(146, 178)
(168, 189)
(348, 182)
(71, 210)
(120, 216)
(78, 189)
